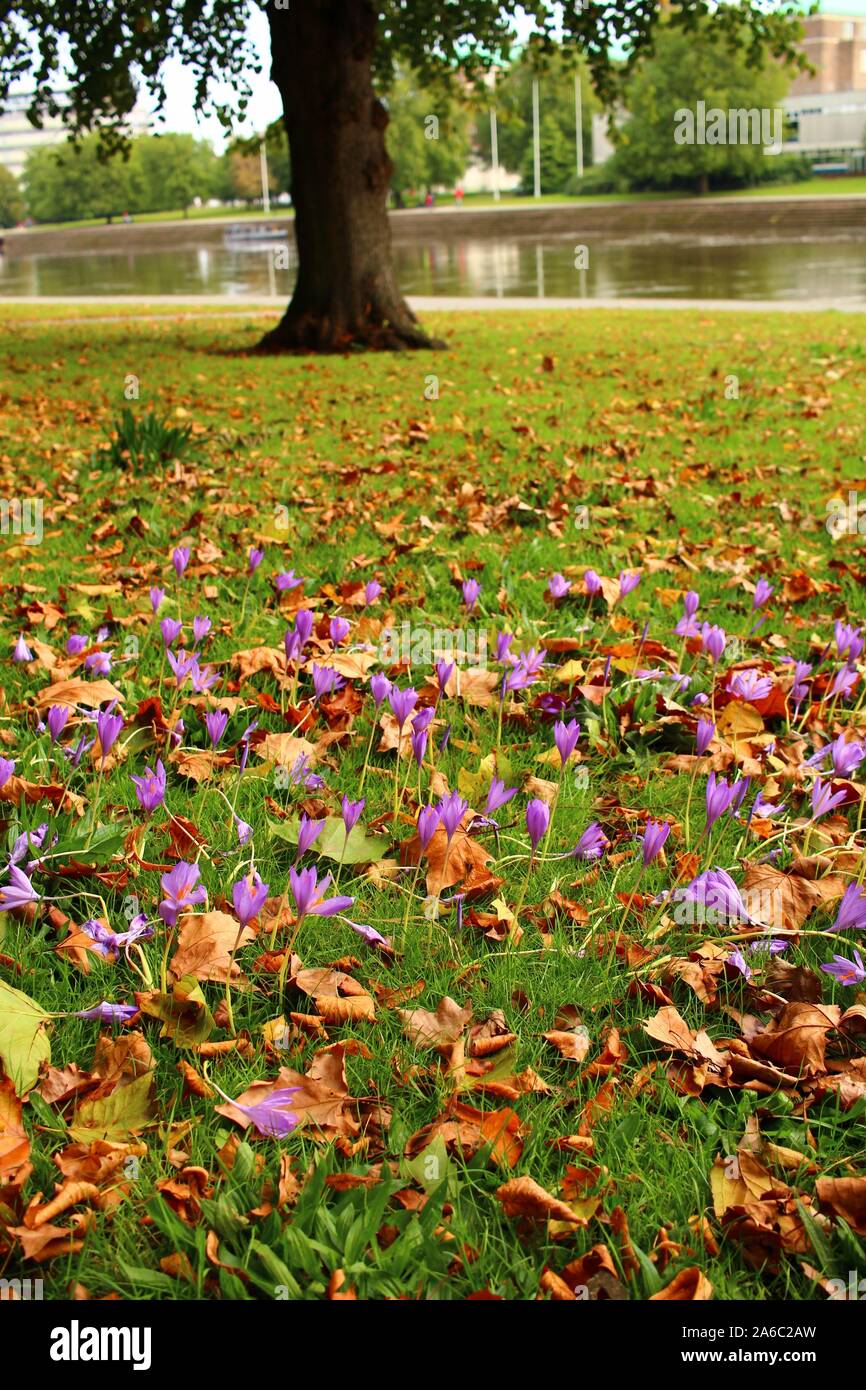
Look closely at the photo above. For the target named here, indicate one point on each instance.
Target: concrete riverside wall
(785, 217)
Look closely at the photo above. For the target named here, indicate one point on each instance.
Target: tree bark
(346, 293)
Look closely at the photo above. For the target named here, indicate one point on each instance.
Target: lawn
(497, 1071)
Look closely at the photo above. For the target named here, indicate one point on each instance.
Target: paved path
(240, 306)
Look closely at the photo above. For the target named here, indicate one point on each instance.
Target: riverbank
(841, 214)
(135, 309)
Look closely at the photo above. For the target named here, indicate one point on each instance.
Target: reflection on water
(656, 265)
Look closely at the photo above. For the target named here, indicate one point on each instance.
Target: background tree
(157, 173)
(248, 185)
(326, 57)
(11, 201)
(683, 70)
(513, 101)
(428, 133)
(173, 170)
(66, 182)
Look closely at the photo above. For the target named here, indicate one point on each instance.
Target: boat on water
(240, 234)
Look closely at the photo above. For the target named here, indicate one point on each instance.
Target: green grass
(343, 469)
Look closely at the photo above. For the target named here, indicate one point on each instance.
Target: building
(18, 137)
(826, 110)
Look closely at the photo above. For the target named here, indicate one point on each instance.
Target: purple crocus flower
(525, 671)
(182, 664)
(370, 935)
(428, 820)
(704, 736)
(750, 686)
(471, 590)
(653, 839)
(847, 972)
(537, 821)
(215, 722)
(716, 896)
(713, 640)
(763, 590)
(558, 586)
(628, 580)
(423, 718)
(308, 832)
(687, 627)
(824, 799)
(452, 809)
(7, 767)
(308, 893)
(719, 797)
(846, 756)
(592, 843)
(765, 810)
(271, 1115)
(769, 945)
(592, 583)
(56, 720)
(498, 795)
(107, 940)
(372, 590)
(286, 580)
(98, 663)
(852, 909)
(352, 812)
(842, 683)
(565, 737)
(201, 626)
(849, 641)
(339, 630)
(150, 788)
(402, 703)
(108, 726)
(171, 628)
(738, 793)
(21, 651)
(202, 678)
(244, 830)
(691, 602)
(444, 672)
(157, 599)
(304, 625)
(418, 741)
(180, 559)
(182, 891)
(799, 690)
(503, 647)
(255, 559)
(380, 687)
(249, 896)
(109, 1013)
(18, 892)
(325, 680)
(75, 754)
(29, 841)
(739, 962)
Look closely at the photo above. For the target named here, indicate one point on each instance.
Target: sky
(179, 113)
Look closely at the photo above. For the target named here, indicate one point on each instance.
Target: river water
(653, 265)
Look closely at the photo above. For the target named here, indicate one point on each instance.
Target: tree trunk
(346, 293)
(703, 185)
